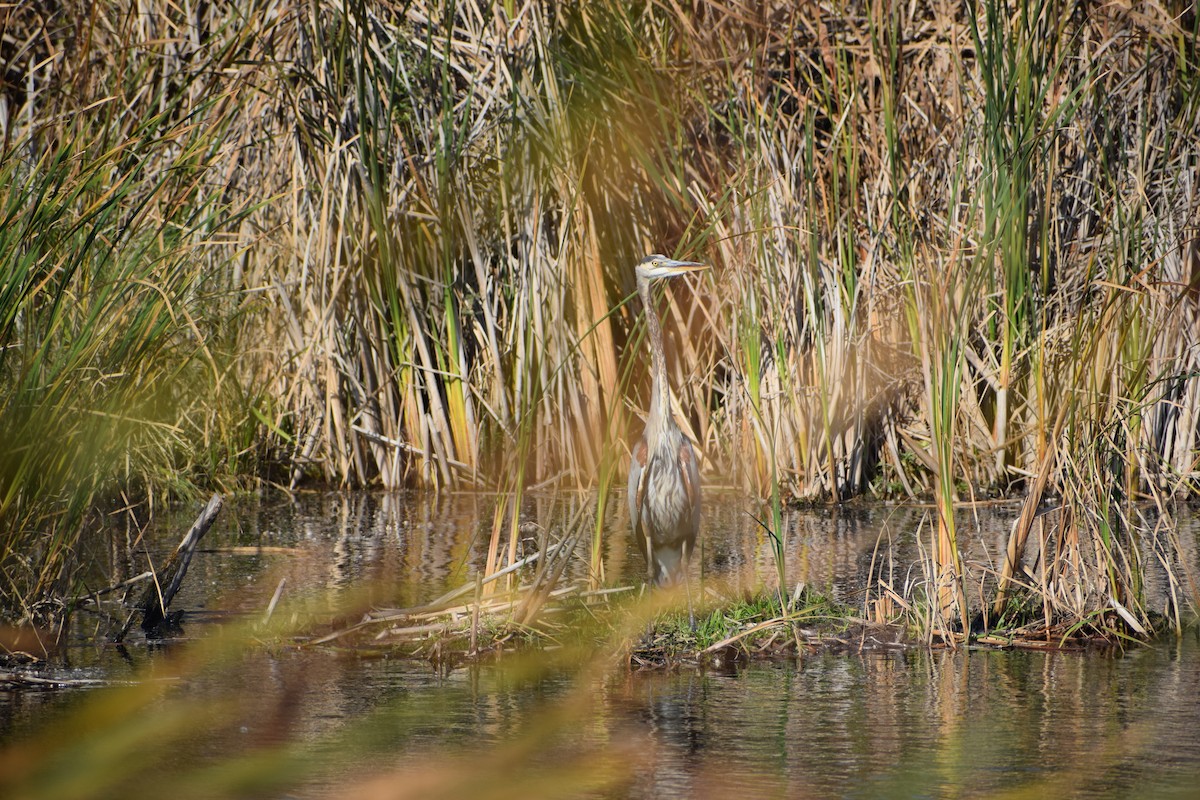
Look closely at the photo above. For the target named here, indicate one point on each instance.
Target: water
(932, 724)
(334, 722)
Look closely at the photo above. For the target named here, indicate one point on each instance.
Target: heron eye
(656, 262)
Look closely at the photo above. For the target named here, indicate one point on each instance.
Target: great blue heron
(664, 483)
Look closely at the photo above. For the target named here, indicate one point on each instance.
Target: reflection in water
(930, 724)
(917, 723)
(417, 546)
(899, 724)
(412, 547)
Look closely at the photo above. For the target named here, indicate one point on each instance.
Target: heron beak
(674, 267)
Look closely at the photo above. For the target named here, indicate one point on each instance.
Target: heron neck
(660, 390)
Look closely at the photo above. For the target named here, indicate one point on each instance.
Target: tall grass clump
(116, 365)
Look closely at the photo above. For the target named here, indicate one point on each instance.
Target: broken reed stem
(1015, 548)
(436, 606)
(275, 597)
(116, 587)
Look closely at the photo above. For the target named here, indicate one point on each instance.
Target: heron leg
(687, 583)
(687, 587)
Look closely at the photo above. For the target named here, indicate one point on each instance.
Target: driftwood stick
(116, 587)
(177, 567)
(157, 597)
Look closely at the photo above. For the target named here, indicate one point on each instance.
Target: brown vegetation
(954, 248)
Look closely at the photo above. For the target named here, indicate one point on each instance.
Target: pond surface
(332, 721)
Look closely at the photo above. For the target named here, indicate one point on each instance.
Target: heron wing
(637, 495)
(691, 485)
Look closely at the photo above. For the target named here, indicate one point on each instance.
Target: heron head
(659, 266)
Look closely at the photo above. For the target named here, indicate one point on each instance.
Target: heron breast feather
(665, 504)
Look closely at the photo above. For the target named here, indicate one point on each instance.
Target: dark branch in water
(157, 597)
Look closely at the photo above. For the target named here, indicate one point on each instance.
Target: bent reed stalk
(955, 248)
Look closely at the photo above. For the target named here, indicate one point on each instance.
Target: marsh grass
(954, 248)
(117, 349)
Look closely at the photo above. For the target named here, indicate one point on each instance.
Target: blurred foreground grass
(247, 711)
